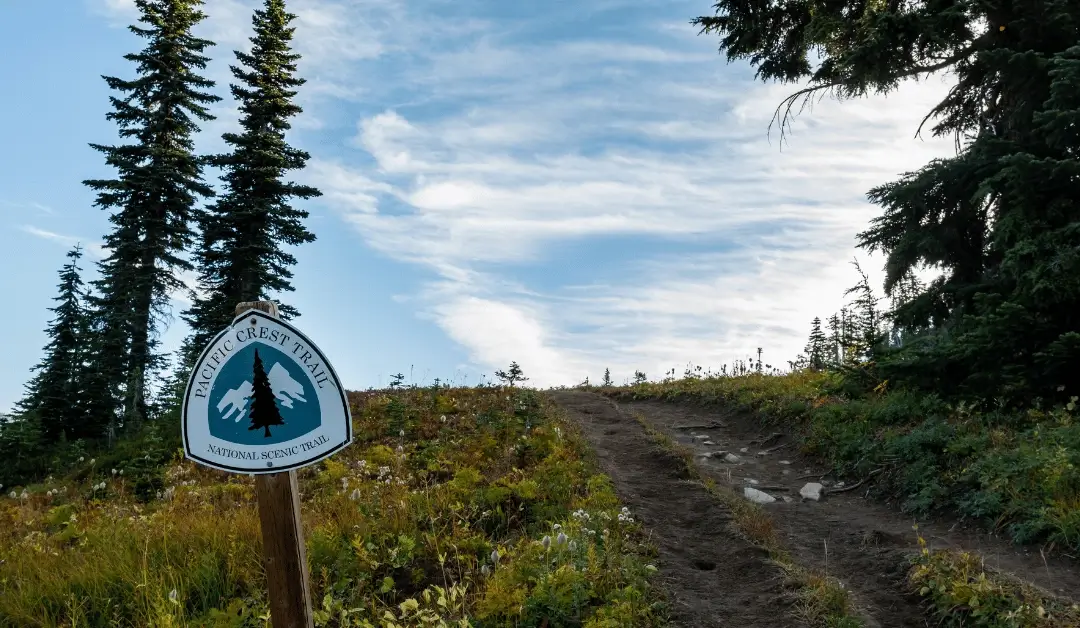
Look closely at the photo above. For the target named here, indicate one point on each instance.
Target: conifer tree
(817, 349)
(999, 218)
(153, 197)
(242, 255)
(54, 392)
(607, 377)
(264, 410)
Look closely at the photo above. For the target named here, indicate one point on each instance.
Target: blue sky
(573, 185)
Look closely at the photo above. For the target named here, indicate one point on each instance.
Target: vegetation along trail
(866, 546)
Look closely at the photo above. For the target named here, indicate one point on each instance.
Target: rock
(786, 472)
(839, 484)
(700, 437)
(812, 490)
(732, 458)
(785, 462)
(758, 497)
(745, 449)
(708, 442)
(751, 481)
(787, 499)
(762, 453)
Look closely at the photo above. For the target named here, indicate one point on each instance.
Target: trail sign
(263, 399)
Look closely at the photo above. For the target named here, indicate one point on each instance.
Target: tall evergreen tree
(54, 392)
(817, 348)
(1000, 218)
(242, 256)
(154, 196)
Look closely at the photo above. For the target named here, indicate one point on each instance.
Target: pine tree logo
(264, 410)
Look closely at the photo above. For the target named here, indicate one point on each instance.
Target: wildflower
(344, 483)
(173, 595)
(24, 495)
(400, 449)
(92, 461)
(401, 433)
(355, 495)
(12, 495)
(546, 541)
(557, 527)
(121, 472)
(443, 418)
(485, 570)
(561, 539)
(114, 471)
(495, 556)
(81, 458)
(573, 546)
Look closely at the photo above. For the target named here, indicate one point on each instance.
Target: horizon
(574, 187)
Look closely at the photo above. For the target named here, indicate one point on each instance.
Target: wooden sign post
(263, 400)
(284, 553)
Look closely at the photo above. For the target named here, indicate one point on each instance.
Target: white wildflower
(561, 539)
(557, 527)
(173, 595)
(12, 495)
(92, 461)
(355, 495)
(443, 418)
(82, 458)
(546, 541)
(495, 556)
(573, 546)
(114, 471)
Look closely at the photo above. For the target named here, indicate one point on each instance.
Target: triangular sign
(263, 399)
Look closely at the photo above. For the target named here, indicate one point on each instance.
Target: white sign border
(261, 470)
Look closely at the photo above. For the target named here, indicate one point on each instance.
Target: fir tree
(513, 374)
(607, 377)
(241, 257)
(999, 218)
(153, 197)
(264, 410)
(817, 349)
(55, 391)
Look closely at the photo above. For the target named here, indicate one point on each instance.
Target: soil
(711, 577)
(863, 543)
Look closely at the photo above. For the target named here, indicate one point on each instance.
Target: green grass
(442, 526)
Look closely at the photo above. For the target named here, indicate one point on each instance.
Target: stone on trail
(751, 481)
(812, 490)
(745, 449)
(758, 497)
(785, 462)
(700, 436)
(732, 458)
(708, 442)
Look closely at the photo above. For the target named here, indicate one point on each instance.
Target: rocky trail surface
(862, 543)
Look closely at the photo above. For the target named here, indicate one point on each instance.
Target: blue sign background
(235, 380)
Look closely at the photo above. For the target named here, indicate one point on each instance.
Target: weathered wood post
(284, 553)
(263, 400)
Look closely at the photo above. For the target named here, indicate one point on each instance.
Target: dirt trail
(712, 577)
(867, 541)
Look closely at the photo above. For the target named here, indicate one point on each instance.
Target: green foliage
(237, 262)
(153, 197)
(512, 375)
(437, 528)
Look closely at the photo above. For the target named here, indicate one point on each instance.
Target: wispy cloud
(92, 248)
(31, 205)
(545, 143)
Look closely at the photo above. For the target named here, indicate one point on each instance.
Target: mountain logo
(263, 398)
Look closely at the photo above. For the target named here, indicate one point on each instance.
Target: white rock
(762, 453)
(838, 484)
(751, 481)
(758, 497)
(708, 442)
(732, 458)
(701, 437)
(786, 472)
(745, 449)
(812, 490)
(785, 462)
(787, 499)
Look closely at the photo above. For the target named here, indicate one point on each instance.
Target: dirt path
(712, 577)
(867, 541)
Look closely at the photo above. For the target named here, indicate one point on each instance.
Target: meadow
(453, 507)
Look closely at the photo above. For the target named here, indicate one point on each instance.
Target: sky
(572, 185)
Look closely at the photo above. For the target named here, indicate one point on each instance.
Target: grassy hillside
(1014, 471)
(454, 507)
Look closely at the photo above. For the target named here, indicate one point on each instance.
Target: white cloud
(92, 248)
(638, 151)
